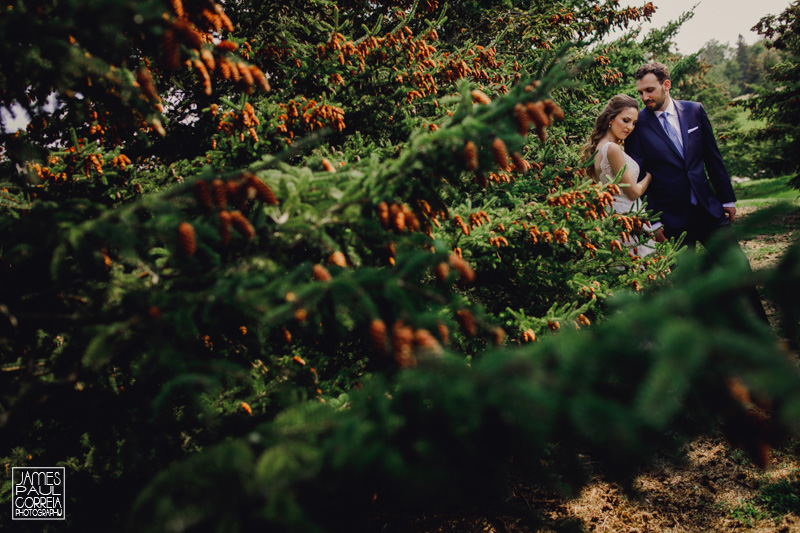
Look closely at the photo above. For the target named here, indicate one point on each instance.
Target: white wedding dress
(623, 204)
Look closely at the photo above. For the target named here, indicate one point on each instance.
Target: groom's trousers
(702, 227)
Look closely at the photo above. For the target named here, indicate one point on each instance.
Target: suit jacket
(673, 175)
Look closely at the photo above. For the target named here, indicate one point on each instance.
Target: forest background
(305, 265)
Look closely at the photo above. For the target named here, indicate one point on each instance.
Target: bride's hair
(614, 107)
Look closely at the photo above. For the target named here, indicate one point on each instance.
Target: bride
(612, 127)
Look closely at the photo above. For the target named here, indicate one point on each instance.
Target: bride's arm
(635, 188)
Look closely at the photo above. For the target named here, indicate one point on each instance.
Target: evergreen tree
(778, 104)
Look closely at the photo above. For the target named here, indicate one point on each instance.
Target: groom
(673, 140)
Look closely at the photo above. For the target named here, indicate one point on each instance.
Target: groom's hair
(659, 69)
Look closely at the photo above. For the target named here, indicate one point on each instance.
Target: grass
(772, 502)
(771, 202)
(765, 190)
(744, 121)
(780, 498)
(748, 514)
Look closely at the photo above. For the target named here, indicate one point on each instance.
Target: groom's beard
(656, 103)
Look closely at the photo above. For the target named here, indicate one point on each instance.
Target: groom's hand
(731, 213)
(660, 237)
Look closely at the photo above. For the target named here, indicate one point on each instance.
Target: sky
(722, 20)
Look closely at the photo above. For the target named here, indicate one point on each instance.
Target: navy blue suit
(673, 175)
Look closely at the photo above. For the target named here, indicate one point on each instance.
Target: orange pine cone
(241, 223)
(377, 334)
(499, 335)
(537, 114)
(402, 345)
(259, 78)
(528, 336)
(398, 218)
(500, 153)
(188, 33)
(442, 271)
(520, 163)
(208, 59)
(426, 343)
(227, 46)
(263, 192)
(552, 109)
(328, 165)
(480, 97)
(177, 8)
(219, 192)
(523, 122)
(211, 19)
(337, 258)
(444, 334)
(412, 222)
(106, 258)
(247, 408)
(234, 72)
(465, 271)
(226, 22)
(466, 320)
(145, 80)
(224, 68)
(246, 75)
(320, 273)
(201, 69)
(186, 238)
(383, 214)
(202, 195)
(471, 155)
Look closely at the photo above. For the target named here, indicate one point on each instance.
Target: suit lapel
(683, 119)
(655, 125)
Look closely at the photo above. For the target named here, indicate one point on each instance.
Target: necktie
(672, 134)
(676, 140)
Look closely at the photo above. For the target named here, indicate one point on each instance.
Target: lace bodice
(605, 166)
(622, 204)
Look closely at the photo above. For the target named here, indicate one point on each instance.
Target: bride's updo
(614, 107)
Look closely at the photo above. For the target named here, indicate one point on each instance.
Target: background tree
(778, 104)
